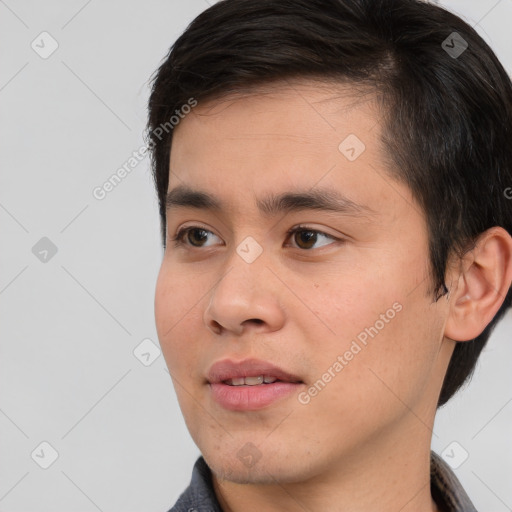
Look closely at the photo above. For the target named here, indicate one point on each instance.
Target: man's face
(342, 304)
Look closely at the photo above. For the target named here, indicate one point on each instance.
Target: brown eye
(197, 234)
(306, 237)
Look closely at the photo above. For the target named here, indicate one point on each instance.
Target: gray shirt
(446, 490)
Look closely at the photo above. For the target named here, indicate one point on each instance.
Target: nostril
(216, 327)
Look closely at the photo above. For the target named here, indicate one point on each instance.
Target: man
(332, 178)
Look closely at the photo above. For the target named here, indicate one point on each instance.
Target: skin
(363, 442)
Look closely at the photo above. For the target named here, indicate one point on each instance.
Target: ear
(483, 282)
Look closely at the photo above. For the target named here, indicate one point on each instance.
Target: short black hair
(446, 98)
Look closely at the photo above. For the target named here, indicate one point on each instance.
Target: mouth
(250, 384)
(249, 372)
(253, 381)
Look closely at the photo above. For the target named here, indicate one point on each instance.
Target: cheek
(177, 309)
(387, 335)
(351, 302)
(375, 382)
(397, 364)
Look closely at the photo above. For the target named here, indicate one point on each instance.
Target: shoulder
(446, 489)
(199, 496)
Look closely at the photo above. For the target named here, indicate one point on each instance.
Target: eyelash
(178, 238)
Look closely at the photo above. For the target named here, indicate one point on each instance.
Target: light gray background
(68, 374)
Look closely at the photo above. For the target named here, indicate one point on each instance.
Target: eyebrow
(324, 199)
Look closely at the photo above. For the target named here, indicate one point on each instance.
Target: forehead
(326, 106)
(292, 136)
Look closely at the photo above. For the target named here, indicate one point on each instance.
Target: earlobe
(482, 285)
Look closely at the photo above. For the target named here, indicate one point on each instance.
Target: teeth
(254, 381)
(250, 381)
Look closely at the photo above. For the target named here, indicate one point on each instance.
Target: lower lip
(251, 398)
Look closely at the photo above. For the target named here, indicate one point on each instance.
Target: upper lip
(228, 369)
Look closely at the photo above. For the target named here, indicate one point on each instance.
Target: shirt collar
(446, 489)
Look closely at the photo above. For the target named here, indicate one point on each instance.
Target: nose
(246, 297)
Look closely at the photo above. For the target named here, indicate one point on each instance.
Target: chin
(271, 468)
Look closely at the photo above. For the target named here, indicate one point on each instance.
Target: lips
(227, 369)
(250, 385)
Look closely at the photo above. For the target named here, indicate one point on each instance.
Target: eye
(197, 232)
(195, 235)
(308, 236)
